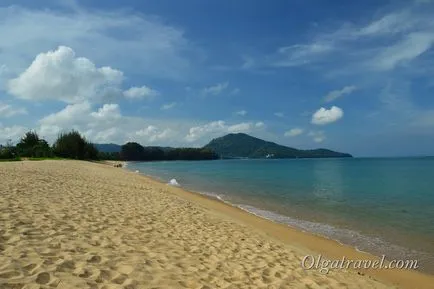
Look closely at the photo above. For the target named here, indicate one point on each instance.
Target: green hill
(241, 145)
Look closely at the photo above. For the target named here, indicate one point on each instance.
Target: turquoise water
(382, 206)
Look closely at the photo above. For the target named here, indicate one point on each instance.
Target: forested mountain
(241, 145)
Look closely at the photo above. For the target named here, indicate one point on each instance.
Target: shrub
(72, 145)
(31, 145)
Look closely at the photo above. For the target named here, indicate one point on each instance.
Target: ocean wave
(359, 241)
(220, 197)
(174, 182)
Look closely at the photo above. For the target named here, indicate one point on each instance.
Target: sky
(352, 76)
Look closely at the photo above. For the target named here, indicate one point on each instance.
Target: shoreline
(79, 224)
(289, 235)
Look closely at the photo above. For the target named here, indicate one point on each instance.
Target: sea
(384, 206)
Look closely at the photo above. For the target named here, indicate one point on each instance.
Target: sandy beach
(72, 224)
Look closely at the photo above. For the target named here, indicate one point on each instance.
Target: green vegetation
(72, 145)
(109, 156)
(10, 160)
(32, 146)
(43, 159)
(69, 145)
(135, 152)
(241, 145)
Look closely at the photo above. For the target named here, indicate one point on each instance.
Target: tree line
(69, 145)
(133, 151)
(72, 145)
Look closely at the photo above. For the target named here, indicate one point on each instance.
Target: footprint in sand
(103, 276)
(43, 278)
(66, 266)
(94, 259)
(120, 279)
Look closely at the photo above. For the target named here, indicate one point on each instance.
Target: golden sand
(71, 224)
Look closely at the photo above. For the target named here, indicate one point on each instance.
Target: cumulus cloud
(99, 126)
(293, 132)
(168, 106)
(107, 112)
(240, 127)
(72, 114)
(7, 110)
(317, 136)
(325, 116)
(140, 92)
(217, 128)
(60, 75)
(153, 133)
(11, 133)
(335, 94)
(215, 89)
(210, 128)
(105, 124)
(279, 114)
(241, 112)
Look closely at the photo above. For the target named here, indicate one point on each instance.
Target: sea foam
(173, 182)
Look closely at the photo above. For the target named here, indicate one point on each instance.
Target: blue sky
(354, 76)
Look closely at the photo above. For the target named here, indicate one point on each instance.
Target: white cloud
(279, 114)
(241, 112)
(107, 124)
(140, 92)
(403, 51)
(260, 125)
(78, 113)
(99, 126)
(154, 134)
(240, 127)
(198, 132)
(215, 89)
(218, 128)
(380, 44)
(120, 38)
(7, 110)
(107, 111)
(325, 116)
(168, 106)
(395, 22)
(335, 94)
(293, 132)
(317, 136)
(301, 54)
(11, 133)
(60, 75)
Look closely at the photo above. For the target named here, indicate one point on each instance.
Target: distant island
(234, 145)
(241, 145)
